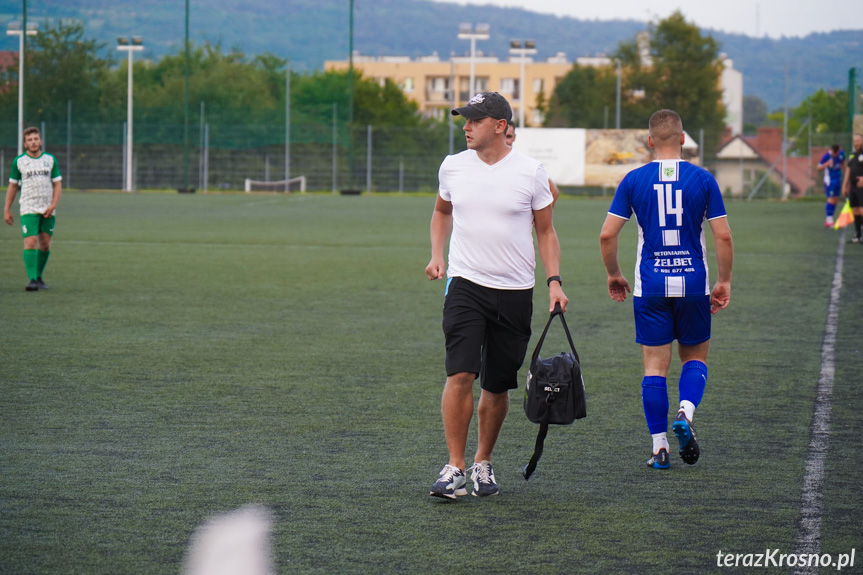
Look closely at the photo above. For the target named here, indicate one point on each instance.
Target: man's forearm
(10, 196)
(441, 226)
(608, 248)
(549, 252)
(724, 259)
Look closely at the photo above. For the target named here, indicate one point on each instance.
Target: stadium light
(124, 44)
(14, 29)
(468, 32)
(522, 50)
(617, 100)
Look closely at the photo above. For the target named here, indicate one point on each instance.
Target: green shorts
(34, 224)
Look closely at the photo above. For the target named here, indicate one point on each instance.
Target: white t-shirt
(492, 233)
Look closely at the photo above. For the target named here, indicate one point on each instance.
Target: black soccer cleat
(32, 286)
(682, 428)
(659, 460)
(41, 284)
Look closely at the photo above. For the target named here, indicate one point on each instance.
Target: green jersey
(36, 177)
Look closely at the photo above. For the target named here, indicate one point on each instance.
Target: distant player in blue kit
(831, 164)
(672, 299)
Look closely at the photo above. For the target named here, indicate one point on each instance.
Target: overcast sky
(775, 18)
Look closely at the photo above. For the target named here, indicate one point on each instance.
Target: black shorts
(487, 332)
(855, 197)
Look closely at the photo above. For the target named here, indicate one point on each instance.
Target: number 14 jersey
(670, 200)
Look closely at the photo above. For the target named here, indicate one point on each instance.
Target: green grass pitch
(198, 353)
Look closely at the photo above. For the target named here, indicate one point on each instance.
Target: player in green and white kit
(37, 174)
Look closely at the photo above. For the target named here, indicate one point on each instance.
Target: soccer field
(197, 353)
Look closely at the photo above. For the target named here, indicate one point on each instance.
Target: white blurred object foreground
(235, 543)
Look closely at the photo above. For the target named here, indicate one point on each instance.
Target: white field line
(808, 540)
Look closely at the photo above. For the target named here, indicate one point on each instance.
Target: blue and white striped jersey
(670, 200)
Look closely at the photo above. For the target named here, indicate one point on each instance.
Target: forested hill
(312, 31)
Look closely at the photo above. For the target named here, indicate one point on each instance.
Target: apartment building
(429, 80)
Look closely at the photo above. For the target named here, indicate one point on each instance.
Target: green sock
(42, 260)
(31, 262)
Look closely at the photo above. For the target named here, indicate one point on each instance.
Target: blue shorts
(832, 189)
(661, 320)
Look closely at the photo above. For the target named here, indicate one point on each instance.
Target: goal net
(297, 184)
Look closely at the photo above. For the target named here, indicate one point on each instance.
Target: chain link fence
(222, 157)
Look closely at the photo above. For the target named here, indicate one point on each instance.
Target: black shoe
(32, 286)
(41, 284)
(682, 428)
(659, 460)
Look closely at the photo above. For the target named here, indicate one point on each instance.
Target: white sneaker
(451, 483)
(483, 479)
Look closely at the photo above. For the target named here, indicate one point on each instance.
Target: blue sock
(693, 379)
(654, 396)
(830, 209)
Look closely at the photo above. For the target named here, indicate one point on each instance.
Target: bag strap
(540, 441)
(557, 312)
(537, 449)
(543, 425)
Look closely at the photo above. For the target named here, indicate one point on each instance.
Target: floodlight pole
(22, 47)
(467, 32)
(522, 50)
(186, 108)
(14, 31)
(617, 100)
(124, 45)
(785, 137)
(351, 99)
(288, 122)
(852, 104)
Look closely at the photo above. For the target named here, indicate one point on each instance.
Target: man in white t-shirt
(490, 196)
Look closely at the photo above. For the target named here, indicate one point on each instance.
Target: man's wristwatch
(554, 279)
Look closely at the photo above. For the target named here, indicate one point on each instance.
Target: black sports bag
(554, 392)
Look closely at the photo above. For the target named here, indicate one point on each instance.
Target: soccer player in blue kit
(831, 163)
(672, 298)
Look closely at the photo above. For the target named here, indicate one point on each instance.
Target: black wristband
(554, 279)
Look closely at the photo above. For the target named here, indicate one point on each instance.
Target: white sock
(688, 408)
(660, 441)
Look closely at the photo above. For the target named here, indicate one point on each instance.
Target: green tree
(754, 113)
(685, 77)
(62, 65)
(233, 88)
(827, 114)
(583, 98)
(678, 69)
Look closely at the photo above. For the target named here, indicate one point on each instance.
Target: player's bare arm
(555, 192)
(549, 253)
(720, 297)
(441, 226)
(10, 198)
(608, 242)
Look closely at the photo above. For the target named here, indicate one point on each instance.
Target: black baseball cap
(486, 105)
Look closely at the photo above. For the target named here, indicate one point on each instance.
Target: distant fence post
(68, 177)
(369, 159)
(206, 156)
(335, 142)
(125, 158)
